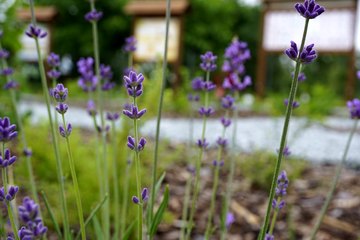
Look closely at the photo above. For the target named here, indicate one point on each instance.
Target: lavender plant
(227, 103)
(208, 65)
(134, 87)
(7, 192)
(354, 109)
(304, 55)
(60, 93)
(36, 33)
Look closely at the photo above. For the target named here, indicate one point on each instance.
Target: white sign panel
(150, 37)
(331, 31)
(28, 51)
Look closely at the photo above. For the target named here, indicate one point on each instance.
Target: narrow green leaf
(160, 212)
(93, 212)
(157, 187)
(129, 230)
(97, 227)
(51, 213)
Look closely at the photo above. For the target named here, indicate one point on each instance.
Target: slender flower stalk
(60, 93)
(53, 132)
(304, 55)
(208, 65)
(158, 120)
(354, 107)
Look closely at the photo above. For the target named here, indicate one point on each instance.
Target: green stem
(284, 134)
(198, 166)
(215, 186)
(334, 183)
(125, 199)
(138, 177)
(53, 132)
(75, 182)
(186, 205)
(161, 99)
(273, 221)
(116, 183)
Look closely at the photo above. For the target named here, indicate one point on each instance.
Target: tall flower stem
(115, 182)
(138, 176)
(291, 98)
(75, 183)
(334, 183)
(214, 190)
(198, 166)
(53, 132)
(106, 208)
(273, 220)
(161, 99)
(125, 199)
(232, 165)
(8, 205)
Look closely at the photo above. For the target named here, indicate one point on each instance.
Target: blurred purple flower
(112, 116)
(354, 108)
(230, 219)
(7, 71)
(54, 74)
(90, 108)
(7, 130)
(93, 16)
(53, 60)
(197, 84)
(134, 113)
(4, 54)
(227, 102)
(59, 93)
(12, 84)
(35, 32)
(130, 44)
(7, 159)
(206, 112)
(309, 9)
(208, 62)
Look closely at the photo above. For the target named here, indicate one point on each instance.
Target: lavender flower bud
(65, 132)
(7, 159)
(90, 108)
(133, 113)
(7, 130)
(133, 84)
(295, 104)
(301, 77)
(222, 142)
(225, 122)
(54, 74)
(12, 84)
(107, 86)
(230, 219)
(112, 116)
(4, 54)
(286, 151)
(308, 54)
(227, 102)
(309, 9)
(105, 72)
(12, 190)
(28, 211)
(53, 60)
(206, 111)
(144, 194)
(62, 108)
(197, 84)
(282, 184)
(59, 93)
(93, 16)
(27, 152)
(209, 86)
(208, 62)
(141, 144)
(135, 200)
(35, 32)
(292, 52)
(353, 106)
(131, 142)
(7, 71)
(269, 237)
(202, 143)
(130, 44)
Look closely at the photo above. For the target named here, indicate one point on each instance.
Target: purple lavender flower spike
(197, 84)
(131, 142)
(135, 200)
(62, 108)
(301, 77)
(141, 144)
(27, 152)
(292, 52)
(202, 143)
(133, 83)
(230, 219)
(65, 132)
(225, 122)
(308, 54)
(7, 71)
(35, 32)
(93, 16)
(7, 159)
(353, 106)
(53, 60)
(85, 66)
(54, 74)
(227, 102)
(208, 62)
(107, 86)
(88, 84)
(59, 93)
(295, 104)
(282, 184)
(91, 108)
(12, 190)
(269, 237)
(235, 56)
(233, 82)
(144, 194)
(206, 111)
(4, 54)
(28, 211)
(105, 72)
(12, 84)
(7, 130)
(130, 44)
(309, 9)
(112, 116)
(134, 113)
(222, 142)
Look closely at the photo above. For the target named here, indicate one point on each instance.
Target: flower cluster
(208, 62)
(280, 191)
(130, 44)
(93, 16)
(88, 81)
(133, 83)
(236, 54)
(144, 196)
(53, 61)
(106, 75)
(35, 32)
(307, 55)
(10, 195)
(60, 93)
(7, 130)
(29, 216)
(354, 108)
(309, 9)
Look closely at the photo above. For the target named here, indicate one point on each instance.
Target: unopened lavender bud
(7, 71)
(93, 16)
(269, 237)
(131, 142)
(145, 194)
(27, 152)
(208, 62)
(35, 32)
(62, 108)
(202, 143)
(295, 104)
(225, 122)
(12, 190)
(7, 159)
(141, 144)
(206, 112)
(309, 9)
(135, 200)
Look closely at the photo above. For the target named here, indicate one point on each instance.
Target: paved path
(312, 140)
